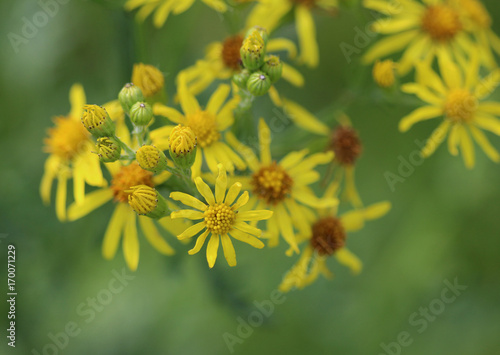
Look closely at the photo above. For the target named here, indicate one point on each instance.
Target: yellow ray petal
(285, 227)
(437, 137)
(389, 45)
(306, 30)
(246, 238)
(77, 99)
(188, 200)
(189, 214)
(488, 122)
(242, 200)
(485, 144)
(192, 231)
(304, 119)
(199, 243)
(233, 192)
(423, 93)
(217, 99)
(254, 215)
(264, 142)
(345, 257)
(62, 186)
(420, 114)
(188, 102)
(154, 237)
(228, 248)
(292, 75)
(92, 201)
(212, 247)
(282, 44)
(244, 151)
(467, 148)
(131, 242)
(171, 113)
(114, 230)
(221, 184)
(205, 191)
(244, 227)
(453, 138)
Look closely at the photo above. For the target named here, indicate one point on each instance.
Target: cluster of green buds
(261, 71)
(97, 121)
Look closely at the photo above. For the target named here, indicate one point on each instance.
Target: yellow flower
(328, 237)
(221, 218)
(70, 146)
(457, 99)
(222, 61)
(269, 13)
(207, 124)
(345, 143)
(163, 8)
(148, 78)
(477, 21)
(282, 187)
(123, 222)
(423, 30)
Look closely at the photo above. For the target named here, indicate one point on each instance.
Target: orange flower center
(128, 176)
(231, 52)
(204, 127)
(460, 106)
(272, 184)
(66, 138)
(346, 145)
(328, 235)
(219, 218)
(441, 22)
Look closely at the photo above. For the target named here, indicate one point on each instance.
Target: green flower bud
(108, 149)
(241, 78)
(147, 201)
(129, 95)
(273, 67)
(151, 158)
(253, 50)
(182, 146)
(261, 31)
(97, 121)
(258, 83)
(141, 114)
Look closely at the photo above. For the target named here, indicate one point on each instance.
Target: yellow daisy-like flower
(70, 146)
(163, 8)
(283, 187)
(269, 13)
(423, 29)
(221, 218)
(207, 124)
(222, 60)
(123, 222)
(457, 99)
(477, 21)
(327, 238)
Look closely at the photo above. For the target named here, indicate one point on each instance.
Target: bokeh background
(443, 225)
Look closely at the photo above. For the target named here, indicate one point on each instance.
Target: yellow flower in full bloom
(421, 29)
(269, 13)
(222, 60)
(477, 21)
(123, 222)
(283, 187)
(207, 124)
(70, 147)
(163, 8)
(221, 218)
(457, 98)
(328, 237)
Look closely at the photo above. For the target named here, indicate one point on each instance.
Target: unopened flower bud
(97, 121)
(147, 201)
(182, 144)
(261, 31)
(273, 67)
(241, 78)
(129, 95)
(258, 83)
(148, 78)
(253, 50)
(151, 158)
(141, 114)
(108, 149)
(383, 73)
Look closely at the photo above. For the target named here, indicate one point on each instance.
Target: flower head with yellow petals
(70, 147)
(221, 218)
(328, 237)
(457, 98)
(283, 187)
(208, 126)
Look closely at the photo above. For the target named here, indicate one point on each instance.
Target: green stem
(243, 126)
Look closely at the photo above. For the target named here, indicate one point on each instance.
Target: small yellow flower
(328, 237)
(221, 218)
(269, 13)
(123, 222)
(421, 30)
(207, 125)
(70, 147)
(383, 73)
(148, 78)
(163, 8)
(283, 187)
(458, 100)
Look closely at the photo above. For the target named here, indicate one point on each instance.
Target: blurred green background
(443, 224)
